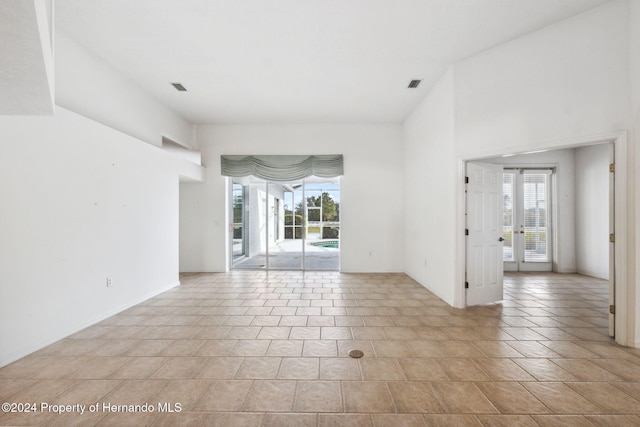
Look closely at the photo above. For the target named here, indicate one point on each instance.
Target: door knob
(501, 239)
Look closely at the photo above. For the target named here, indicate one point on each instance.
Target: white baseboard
(596, 274)
(86, 324)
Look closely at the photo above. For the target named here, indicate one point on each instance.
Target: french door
(527, 227)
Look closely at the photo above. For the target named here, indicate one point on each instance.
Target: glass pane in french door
(251, 207)
(285, 225)
(536, 216)
(238, 207)
(322, 250)
(508, 183)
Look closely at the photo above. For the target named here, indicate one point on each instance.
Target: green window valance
(282, 168)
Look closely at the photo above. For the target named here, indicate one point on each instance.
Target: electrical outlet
(109, 282)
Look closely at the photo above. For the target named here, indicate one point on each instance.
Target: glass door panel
(508, 184)
(286, 246)
(527, 221)
(322, 251)
(535, 221)
(238, 206)
(253, 209)
(285, 226)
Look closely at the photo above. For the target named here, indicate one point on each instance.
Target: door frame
(619, 278)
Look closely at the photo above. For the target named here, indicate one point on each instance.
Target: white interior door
(484, 239)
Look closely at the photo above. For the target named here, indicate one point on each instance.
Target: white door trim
(624, 306)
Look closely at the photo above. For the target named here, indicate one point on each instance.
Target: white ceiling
(297, 61)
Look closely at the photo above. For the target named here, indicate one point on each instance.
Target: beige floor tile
(305, 333)
(138, 368)
(503, 369)
(374, 369)
(249, 348)
(384, 348)
(462, 398)
(507, 421)
(496, 349)
(423, 369)
(404, 420)
(289, 348)
(367, 397)
(72, 419)
(216, 348)
(131, 392)
(561, 399)
(180, 368)
(562, 420)
(42, 390)
(274, 332)
(631, 388)
(232, 419)
(320, 348)
(259, 368)
(626, 369)
(512, 398)
(614, 420)
(85, 392)
(186, 393)
(415, 397)
(270, 396)
(586, 370)
(303, 368)
(608, 397)
(346, 369)
(219, 368)
(446, 420)
(344, 420)
(223, 396)
(544, 370)
(318, 396)
(459, 369)
(122, 419)
(289, 420)
(182, 418)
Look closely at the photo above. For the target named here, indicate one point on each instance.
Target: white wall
(567, 80)
(80, 202)
(592, 209)
(88, 86)
(371, 190)
(429, 184)
(565, 218)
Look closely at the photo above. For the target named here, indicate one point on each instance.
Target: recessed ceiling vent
(179, 87)
(414, 84)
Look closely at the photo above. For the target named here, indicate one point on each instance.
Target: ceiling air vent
(414, 84)
(179, 87)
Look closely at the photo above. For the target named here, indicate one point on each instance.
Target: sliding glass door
(285, 225)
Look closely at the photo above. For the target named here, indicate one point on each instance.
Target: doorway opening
(293, 225)
(613, 238)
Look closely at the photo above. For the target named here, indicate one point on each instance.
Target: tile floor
(252, 348)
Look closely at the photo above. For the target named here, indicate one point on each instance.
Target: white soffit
(297, 61)
(26, 60)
